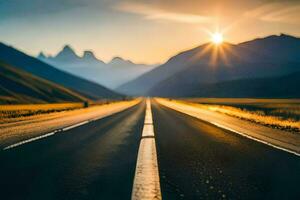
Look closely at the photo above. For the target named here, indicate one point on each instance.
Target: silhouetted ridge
(111, 74)
(18, 86)
(42, 56)
(67, 54)
(271, 56)
(38, 68)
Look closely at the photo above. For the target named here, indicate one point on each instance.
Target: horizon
(154, 31)
(81, 53)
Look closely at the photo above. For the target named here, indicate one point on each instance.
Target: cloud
(33, 8)
(285, 12)
(153, 13)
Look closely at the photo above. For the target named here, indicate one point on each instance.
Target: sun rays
(215, 55)
(216, 52)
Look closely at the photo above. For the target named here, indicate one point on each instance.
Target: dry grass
(24, 127)
(245, 101)
(20, 111)
(17, 112)
(277, 113)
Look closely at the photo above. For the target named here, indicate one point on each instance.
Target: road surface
(93, 161)
(200, 161)
(196, 160)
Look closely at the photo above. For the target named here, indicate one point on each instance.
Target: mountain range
(19, 60)
(112, 74)
(265, 67)
(209, 65)
(285, 86)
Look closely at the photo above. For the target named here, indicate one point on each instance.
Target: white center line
(146, 184)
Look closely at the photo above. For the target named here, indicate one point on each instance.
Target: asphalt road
(93, 161)
(196, 160)
(200, 161)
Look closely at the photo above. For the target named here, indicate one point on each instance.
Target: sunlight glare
(217, 38)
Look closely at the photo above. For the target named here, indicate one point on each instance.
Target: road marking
(148, 130)
(196, 115)
(253, 138)
(30, 140)
(146, 185)
(45, 135)
(57, 131)
(76, 125)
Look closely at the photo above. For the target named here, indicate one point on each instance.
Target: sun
(217, 38)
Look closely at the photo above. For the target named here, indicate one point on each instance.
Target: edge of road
(66, 128)
(258, 137)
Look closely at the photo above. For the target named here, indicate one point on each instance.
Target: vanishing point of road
(195, 160)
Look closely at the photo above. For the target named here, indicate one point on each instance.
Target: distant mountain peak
(43, 70)
(68, 48)
(66, 54)
(118, 60)
(41, 56)
(280, 37)
(283, 35)
(88, 54)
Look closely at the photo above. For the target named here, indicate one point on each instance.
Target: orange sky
(143, 31)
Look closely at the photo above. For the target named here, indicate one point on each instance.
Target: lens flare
(217, 38)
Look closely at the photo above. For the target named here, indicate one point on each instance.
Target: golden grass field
(45, 118)
(18, 111)
(277, 113)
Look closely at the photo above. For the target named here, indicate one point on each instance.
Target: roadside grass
(52, 117)
(19, 111)
(277, 113)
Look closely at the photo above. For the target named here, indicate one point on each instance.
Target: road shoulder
(276, 138)
(49, 125)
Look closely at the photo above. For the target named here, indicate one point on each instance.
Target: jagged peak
(117, 60)
(281, 36)
(89, 54)
(68, 48)
(42, 55)
(67, 51)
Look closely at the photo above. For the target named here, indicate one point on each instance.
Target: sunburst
(217, 38)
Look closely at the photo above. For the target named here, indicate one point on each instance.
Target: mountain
(18, 86)
(112, 74)
(286, 86)
(208, 63)
(120, 62)
(88, 56)
(67, 55)
(41, 56)
(40, 69)
(282, 47)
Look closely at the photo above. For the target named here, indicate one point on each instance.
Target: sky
(144, 31)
